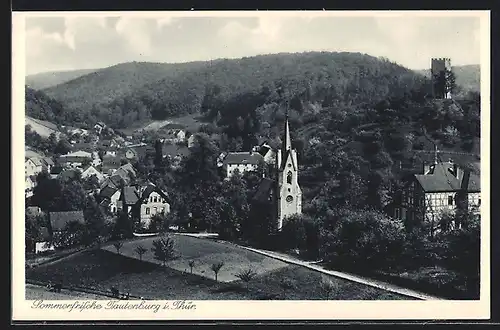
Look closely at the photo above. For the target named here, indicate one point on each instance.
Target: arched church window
(289, 177)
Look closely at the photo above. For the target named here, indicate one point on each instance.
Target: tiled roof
(59, 220)
(107, 192)
(129, 196)
(149, 189)
(37, 161)
(243, 158)
(442, 180)
(48, 161)
(78, 153)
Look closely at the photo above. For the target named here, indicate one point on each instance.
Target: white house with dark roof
(90, 170)
(32, 166)
(242, 161)
(442, 189)
(143, 202)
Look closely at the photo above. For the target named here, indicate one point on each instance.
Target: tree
(216, 268)
(246, 275)
(293, 234)
(118, 245)
(191, 264)
(94, 220)
(164, 249)
(122, 227)
(63, 147)
(140, 250)
(362, 239)
(33, 225)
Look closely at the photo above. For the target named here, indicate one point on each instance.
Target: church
(281, 194)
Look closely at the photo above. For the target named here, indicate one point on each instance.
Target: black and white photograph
(177, 160)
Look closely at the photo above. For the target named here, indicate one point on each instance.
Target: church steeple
(287, 141)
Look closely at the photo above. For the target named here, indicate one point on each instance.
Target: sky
(75, 41)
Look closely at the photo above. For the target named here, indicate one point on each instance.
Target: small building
(110, 164)
(175, 135)
(242, 161)
(109, 198)
(75, 159)
(30, 184)
(32, 166)
(91, 170)
(47, 163)
(58, 222)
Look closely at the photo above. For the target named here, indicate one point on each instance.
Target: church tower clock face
(289, 198)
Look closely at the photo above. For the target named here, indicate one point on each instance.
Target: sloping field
(43, 128)
(101, 269)
(205, 253)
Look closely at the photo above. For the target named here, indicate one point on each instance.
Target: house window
(289, 177)
(450, 200)
(398, 213)
(147, 210)
(479, 202)
(155, 210)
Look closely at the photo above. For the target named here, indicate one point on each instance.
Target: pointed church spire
(287, 141)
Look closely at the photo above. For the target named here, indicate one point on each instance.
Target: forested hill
(40, 106)
(104, 85)
(130, 92)
(48, 79)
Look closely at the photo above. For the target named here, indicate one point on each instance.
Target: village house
(110, 164)
(47, 164)
(442, 189)
(30, 184)
(55, 171)
(137, 151)
(75, 159)
(243, 161)
(99, 127)
(58, 221)
(91, 170)
(32, 166)
(267, 151)
(190, 141)
(143, 202)
(109, 198)
(175, 135)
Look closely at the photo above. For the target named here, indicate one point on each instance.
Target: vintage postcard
(251, 165)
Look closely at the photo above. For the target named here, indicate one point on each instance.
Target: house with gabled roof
(141, 203)
(32, 166)
(109, 198)
(444, 188)
(241, 161)
(90, 170)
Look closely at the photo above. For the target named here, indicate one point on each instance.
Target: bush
(364, 240)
